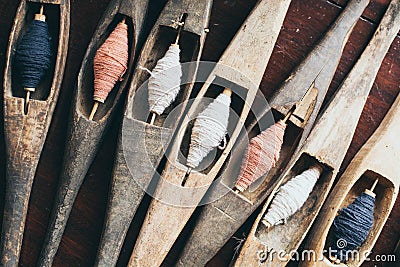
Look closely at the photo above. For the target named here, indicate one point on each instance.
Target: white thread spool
(291, 196)
(164, 83)
(209, 129)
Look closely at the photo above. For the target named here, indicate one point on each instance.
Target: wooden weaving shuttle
(377, 159)
(140, 143)
(84, 135)
(336, 125)
(221, 218)
(26, 127)
(240, 69)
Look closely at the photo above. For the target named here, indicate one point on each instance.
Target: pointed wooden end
(94, 109)
(28, 93)
(27, 97)
(182, 20)
(184, 180)
(267, 224)
(227, 92)
(238, 189)
(318, 167)
(333, 261)
(374, 185)
(289, 114)
(153, 118)
(371, 190)
(40, 15)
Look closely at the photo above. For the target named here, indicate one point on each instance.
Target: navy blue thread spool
(33, 54)
(353, 224)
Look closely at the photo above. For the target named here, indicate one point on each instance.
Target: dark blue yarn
(353, 225)
(33, 54)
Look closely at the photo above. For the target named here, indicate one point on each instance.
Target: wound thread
(165, 80)
(110, 62)
(292, 196)
(33, 54)
(353, 225)
(209, 129)
(261, 155)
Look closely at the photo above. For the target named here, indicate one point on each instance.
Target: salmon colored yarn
(261, 155)
(110, 62)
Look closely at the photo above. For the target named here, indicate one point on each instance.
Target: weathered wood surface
(84, 135)
(25, 134)
(377, 159)
(305, 24)
(141, 145)
(336, 125)
(220, 219)
(168, 213)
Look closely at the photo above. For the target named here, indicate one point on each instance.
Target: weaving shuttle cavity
(338, 120)
(33, 73)
(156, 100)
(355, 211)
(200, 133)
(103, 77)
(306, 87)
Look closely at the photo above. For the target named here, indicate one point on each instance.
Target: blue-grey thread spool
(33, 54)
(353, 224)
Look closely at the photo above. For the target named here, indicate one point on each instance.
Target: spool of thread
(353, 225)
(110, 64)
(33, 54)
(165, 80)
(209, 129)
(291, 196)
(261, 155)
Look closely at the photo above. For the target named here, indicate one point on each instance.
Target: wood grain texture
(377, 159)
(304, 26)
(336, 125)
(84, 135)
(141, 145)
(230, 211)
(25, 133)
(248, 54)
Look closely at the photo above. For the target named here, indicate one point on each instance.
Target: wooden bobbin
(318, 167)
(189, 170)
(41, 17)
(239, 189)
(98, 100)
(370, 191)
(227, 92)
(181, 24)
(267, 224)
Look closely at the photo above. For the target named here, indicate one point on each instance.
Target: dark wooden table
(305, 24)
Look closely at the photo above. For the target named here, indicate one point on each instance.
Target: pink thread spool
(109, 64)
(261, 155)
